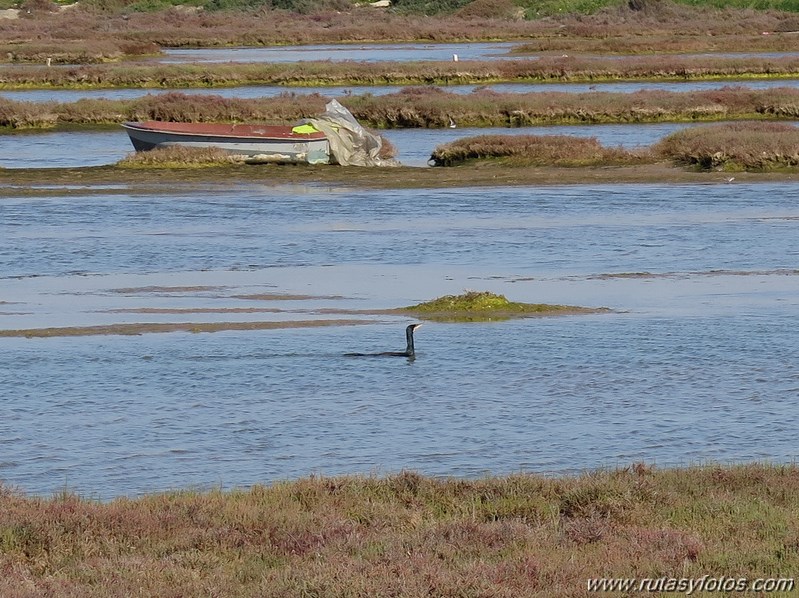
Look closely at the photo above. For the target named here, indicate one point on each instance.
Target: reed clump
(734, 147)
(536, 150)
(408, 535)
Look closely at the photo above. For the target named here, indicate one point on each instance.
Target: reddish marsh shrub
(586, 530)
(669, 545)
(412, 107)
(259, 26)
(180, 107)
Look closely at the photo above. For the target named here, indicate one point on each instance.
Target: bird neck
(409, 337)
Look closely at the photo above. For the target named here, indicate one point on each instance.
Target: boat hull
(278, 144)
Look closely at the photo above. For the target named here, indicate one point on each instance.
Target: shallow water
(403, 52)
(261, 91)
(699, 362)
(338, 52)
(414, 146)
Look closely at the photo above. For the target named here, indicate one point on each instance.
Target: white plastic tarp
(350, 143)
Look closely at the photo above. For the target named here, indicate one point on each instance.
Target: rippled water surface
(401, 52)
(698, 361)
(338, 52)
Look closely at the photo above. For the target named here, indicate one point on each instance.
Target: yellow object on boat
(305, 129)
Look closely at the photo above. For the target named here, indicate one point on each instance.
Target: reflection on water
(699, 362)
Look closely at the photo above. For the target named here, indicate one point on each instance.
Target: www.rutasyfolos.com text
(689, 585)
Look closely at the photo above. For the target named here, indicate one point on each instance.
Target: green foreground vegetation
(408, 535)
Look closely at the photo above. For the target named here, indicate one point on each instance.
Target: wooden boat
(267, 143)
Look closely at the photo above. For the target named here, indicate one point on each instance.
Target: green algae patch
(484, 306)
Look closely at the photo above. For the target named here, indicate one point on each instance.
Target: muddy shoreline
(337, 318)
(110, 179)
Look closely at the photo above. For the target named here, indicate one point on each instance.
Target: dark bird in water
(408, 352)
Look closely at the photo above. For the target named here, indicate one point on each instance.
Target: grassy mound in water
(534, 150)
(179, 157)
(734, 147)
(483, 306)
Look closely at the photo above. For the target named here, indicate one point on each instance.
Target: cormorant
(408, 352)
